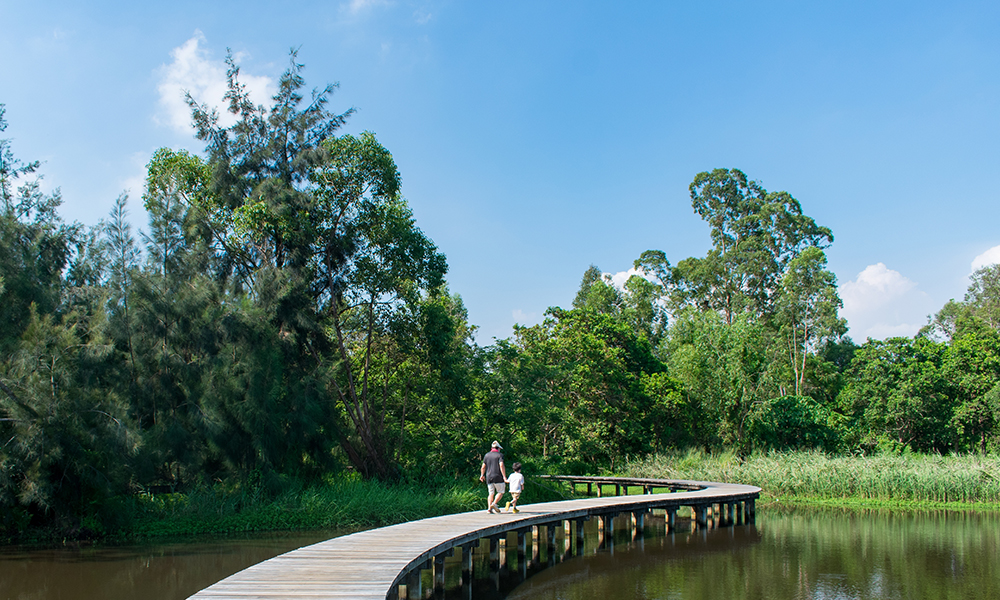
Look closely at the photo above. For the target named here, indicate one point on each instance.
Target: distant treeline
(282, 318)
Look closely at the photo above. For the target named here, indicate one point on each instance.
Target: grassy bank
(896, 481)
(346, 503)
(343, 504)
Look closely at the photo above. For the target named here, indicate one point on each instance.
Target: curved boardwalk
(374, 564)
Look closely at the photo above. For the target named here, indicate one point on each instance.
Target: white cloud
(990, 257)
(618, 279)
(192, 70)
(621, 277)
(874, 287)
(883, 303)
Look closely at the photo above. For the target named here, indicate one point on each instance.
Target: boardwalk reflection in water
(544, 565)
(799, 555)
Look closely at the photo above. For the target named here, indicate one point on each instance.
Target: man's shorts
(496, 488)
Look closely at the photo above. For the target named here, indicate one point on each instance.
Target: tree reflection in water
(801, 554)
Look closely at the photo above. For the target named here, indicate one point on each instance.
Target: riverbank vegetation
(903, 479)
(282, 318)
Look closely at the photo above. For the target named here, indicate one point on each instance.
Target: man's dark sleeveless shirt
(492, 461)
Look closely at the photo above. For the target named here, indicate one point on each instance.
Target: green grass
(341, 504)
(812, 477)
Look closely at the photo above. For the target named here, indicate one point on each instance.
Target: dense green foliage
(282, 320)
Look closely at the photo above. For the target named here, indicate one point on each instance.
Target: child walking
(516, 482)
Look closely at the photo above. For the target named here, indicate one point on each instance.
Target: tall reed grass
(813, 474)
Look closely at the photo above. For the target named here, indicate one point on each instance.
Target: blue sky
(537, 138)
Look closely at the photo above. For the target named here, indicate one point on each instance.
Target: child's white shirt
(516, 481)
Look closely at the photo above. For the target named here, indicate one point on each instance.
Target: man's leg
(500, 489)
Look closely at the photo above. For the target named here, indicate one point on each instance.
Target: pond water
(800, 554)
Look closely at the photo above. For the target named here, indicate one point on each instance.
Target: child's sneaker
(506, 507)
(515, 510)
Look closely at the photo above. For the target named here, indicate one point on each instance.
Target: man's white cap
(496, 444)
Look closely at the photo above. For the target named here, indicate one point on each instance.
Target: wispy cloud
(881, 303)
(422, 17)
(193, 70)
(356, 7)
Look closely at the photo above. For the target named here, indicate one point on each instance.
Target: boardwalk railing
(624, 483)
(386, 563)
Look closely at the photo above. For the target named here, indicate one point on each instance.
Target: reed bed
(813, 474)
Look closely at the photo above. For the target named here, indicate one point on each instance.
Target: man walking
(493, 473)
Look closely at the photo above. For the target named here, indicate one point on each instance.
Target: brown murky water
(815, 555)
(171, 571)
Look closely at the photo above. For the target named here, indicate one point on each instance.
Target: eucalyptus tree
(370, 268)
(755, 235)
(983, 295)
(726, 369)
(806, 310)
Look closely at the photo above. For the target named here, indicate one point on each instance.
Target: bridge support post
(752, 510)
(700, 518)
(671, 518)
(638, 524)
(414, 588)
(467, 562)
(550, 543)
(579, 537)
(439, 574)
(494, 553)
(522, 563)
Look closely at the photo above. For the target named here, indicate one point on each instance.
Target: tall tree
(35, 244)
(369, 268)
(983, 295)
(261, 167)
(755, 234)
(806, 309)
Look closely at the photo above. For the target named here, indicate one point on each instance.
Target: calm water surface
(796, 555)
(171, 571)
(821, 555)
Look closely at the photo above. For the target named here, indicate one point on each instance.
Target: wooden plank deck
(371, 564)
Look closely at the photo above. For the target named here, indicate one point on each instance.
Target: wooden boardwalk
(374, 564)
